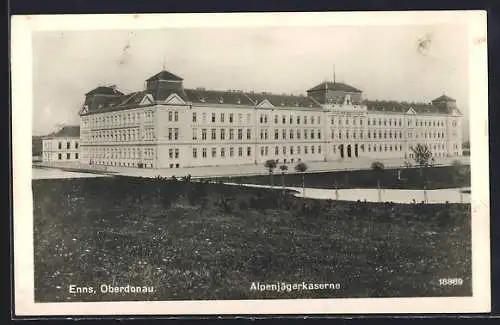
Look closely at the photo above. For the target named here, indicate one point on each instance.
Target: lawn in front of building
(193, 241)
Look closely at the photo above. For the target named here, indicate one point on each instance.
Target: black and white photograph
(272, 163)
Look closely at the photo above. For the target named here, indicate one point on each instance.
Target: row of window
(119, 119)
(222, 134)
(68, 145)
(68, 156)
(312, 119)
(222, 117)
(213, 151)
(387, 135)
(125, 118)
(124, 135)
(123, 153)
(291, 150)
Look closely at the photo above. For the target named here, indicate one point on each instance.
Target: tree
(270, 165)
(283, 169)
(378, 168)
(423, 159)
(301, 168)
(460, 175)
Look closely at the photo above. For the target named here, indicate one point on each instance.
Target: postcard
(250, 164)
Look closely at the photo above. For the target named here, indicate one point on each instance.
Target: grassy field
(211, 241)
(436, 178)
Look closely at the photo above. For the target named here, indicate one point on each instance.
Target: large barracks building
(169, 126)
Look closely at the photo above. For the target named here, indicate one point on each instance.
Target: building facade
(168, 126)
(62, 145)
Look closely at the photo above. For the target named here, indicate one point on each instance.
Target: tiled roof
(402, 107)
(336, 86)
(218, 97)
(104, 90)
(444, 98)
(70, 131)
(284, 100)
(165, 75)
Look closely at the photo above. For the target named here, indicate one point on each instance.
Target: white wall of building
(177, 134)
(60, 149)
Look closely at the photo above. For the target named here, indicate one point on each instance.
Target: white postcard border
(22, 28)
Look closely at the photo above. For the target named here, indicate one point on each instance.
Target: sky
(408, 63)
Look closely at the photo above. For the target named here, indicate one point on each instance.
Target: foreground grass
(211, 241)
(410, 178)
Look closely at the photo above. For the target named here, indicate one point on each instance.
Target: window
(312, 134)
(222, 152)
(305, 134)
(222, 117)
(312, 119)
(283, 119)
(262, 151)
(291, 119)
(68, 156)
(275, 119)
(275, 134)
(249, 151)
(214, 152)
(319, 149)
(298, 150)
(231, 117)
(291, 150)
(195, 134)
(76, 155)
(213, 117)
(249, 134)
(305, 119)
(176, 134)
(223, 134)
(240, 134)
(261, 118)
(176, 153)
(291, 134)
(283, 134)
(240, 117)
(276, 151)
(170, 133)
(319, 134)
(203, 134)
(76, 145)
(59, 156)
(284, 150)
(170, 116)
(305, 150)
(176, 116)
(298, 134)
(170, 153)
(231, 134)
(214, 136)
(298, 119)
(240, 152)
(204, 152)
(68, 145)
(231, 152)
(249, 117)
(195, 153)
(204, 117)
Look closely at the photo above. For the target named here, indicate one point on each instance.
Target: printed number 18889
(451, 282)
